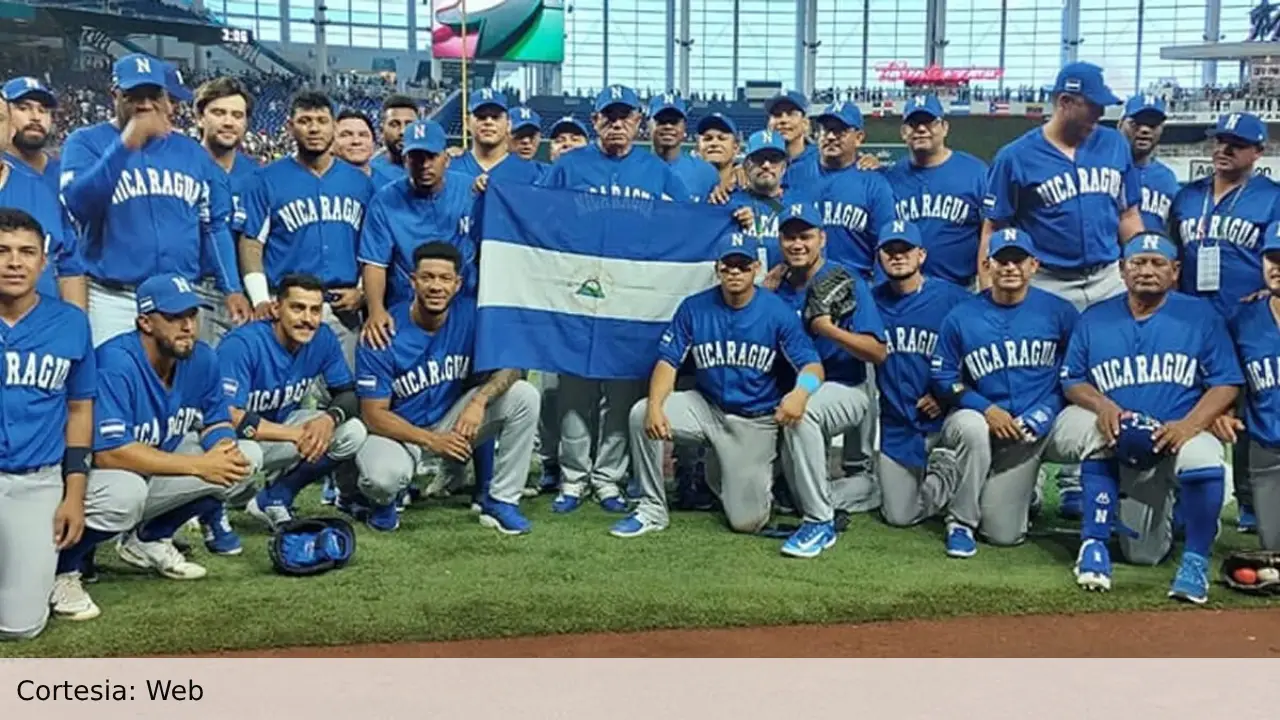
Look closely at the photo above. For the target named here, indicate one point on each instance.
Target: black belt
(114, 286)
(1076, 272)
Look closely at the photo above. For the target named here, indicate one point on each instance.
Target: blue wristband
(809, 382)
(215, 436)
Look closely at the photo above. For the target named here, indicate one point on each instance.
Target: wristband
(255, 285)
(338, 414)
(215, 436)
(248, 426)
(76, 461)
(808, 382)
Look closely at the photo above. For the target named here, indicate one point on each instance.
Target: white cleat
(160, 556)
(70, 601)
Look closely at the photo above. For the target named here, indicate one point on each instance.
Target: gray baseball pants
(28, 557)
(593, 434)
(911, 495)
(1264, 469)
(388, 466)
(549, 419)
(833, 410)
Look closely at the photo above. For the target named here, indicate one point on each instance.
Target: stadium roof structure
(134, 17)
(1221, 51)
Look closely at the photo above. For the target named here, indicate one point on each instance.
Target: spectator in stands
(397, 112)
(354, 140)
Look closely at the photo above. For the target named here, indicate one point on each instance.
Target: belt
(1076, 272)
(113, 285)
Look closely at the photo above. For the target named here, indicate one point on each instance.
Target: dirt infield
(1193, 633)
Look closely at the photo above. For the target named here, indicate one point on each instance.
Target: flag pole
(466, 89)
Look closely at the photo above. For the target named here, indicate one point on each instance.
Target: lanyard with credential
(1209, 255)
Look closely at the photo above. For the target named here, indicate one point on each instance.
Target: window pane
(1109, 34)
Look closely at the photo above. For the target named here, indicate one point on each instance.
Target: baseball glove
(310, 546)
(1261, 566)
(831, 295)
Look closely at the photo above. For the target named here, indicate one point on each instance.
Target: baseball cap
(765, 141)
(1271, 239)
(174, 86)
(923, 105)
(136, 70)
(25, 87)
(794, 97)
(1085, 79)
(426, 136)
(667, 101)
(900, 231)
(805, 213)
(569, 122)
(486, 96)
(1135, 444)
(617, 95)
(717, 120)
(846, 113)
(1150, 242)
(1010, 238)
(166, 293)
(1139, 104)
(523, 117)
(1246, 127)
(736, 244)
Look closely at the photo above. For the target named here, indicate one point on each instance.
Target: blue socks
(71, 558)
(1099, 485)
(1201, 499)
(483, 460)
(286, 487)
(166, 525)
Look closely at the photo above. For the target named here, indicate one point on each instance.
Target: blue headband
(1150, 242)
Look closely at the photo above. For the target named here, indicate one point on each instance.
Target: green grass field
(443, 576)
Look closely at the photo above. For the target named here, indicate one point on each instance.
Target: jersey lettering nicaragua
(638, 175)
(260, 375)
(1257, 340)
(855, 204)
(945, 202)
(1159, 187)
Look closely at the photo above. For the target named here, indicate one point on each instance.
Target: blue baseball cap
(1010, 237)
(667, 101)
(617, 95)
(425, 136)
(1246, 127)
(737, 244)
(765, 141)
(794, 97)
(717, 120)
(1150, 242)
(523, 117)
(806, 213)
(900, 231)
(166, 293)
(569, 121)
(136, 70)
(1136, 443)
(20, 88)
(1140, 104)
(1085, 79)
(1271, 239)
(843, 112)
(486, 96)
(923, 105)
(174, 86)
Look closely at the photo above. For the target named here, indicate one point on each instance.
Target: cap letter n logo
(142, 65)
(797, 210)
(1232, 120)
(615, 92)
(1151, 242)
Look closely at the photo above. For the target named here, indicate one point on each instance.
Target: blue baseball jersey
(734, 349)
(260, 375)
(912, 323)
(1235, 225)
(240, 179)
(383, 171)
(698, 175)
(308, 224)
(1159, 187)
(838, 364)
(1160, 366)
(639, 174)
(945, 202)
(22, 190)
(1257, 340)
(803, 171)
(48, 361)
(1004, 355)
(765, 213)
(400, 220)
(133, 404)
(422, 373)
(1070, 208)
(512, 168)
(52, 175)
(855, 204)
(164, 208)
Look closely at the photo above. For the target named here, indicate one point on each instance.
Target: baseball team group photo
(445, 358)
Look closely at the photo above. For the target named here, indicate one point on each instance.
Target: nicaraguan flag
(583, 284)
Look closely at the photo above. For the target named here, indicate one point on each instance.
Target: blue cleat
(960, 542)
(1093, 566)
(504, 517)
(809, 540)
(384, 518)
(1247, 523)
(634, 525)
(566, 503)
(219, 538)
(1071, 504)
(614, 505)
(1191, 584)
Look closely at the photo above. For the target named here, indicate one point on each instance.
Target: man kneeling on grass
(418, 399)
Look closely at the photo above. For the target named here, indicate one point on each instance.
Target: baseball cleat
(960, 542)
(1093, 566)
(70, 601)
(1191, 584)
(634, 525)
(614, 505)
(219, 538)
(160, 556)
(809, 540)
(329, 491)
(1071, 504)
(566, 503)
(269, 511)
(1247, 522)
(504, 517)
(383, 518)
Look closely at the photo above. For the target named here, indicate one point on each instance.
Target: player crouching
(735, 332)
(419, 398)
(1150, 370)
(164, 448)
(268, 367)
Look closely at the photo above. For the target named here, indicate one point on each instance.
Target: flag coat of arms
(584, 284)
